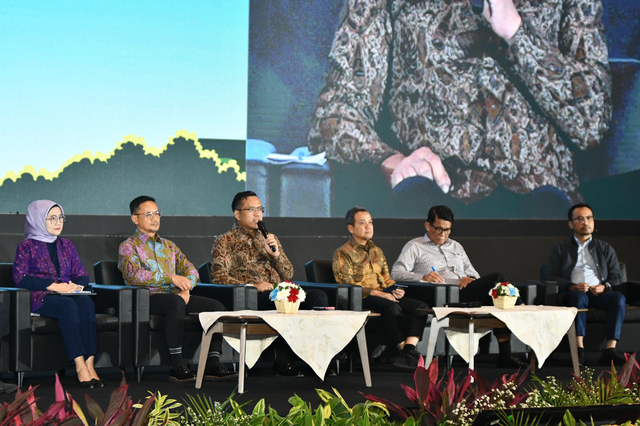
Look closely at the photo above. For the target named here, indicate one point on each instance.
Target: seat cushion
(192, 322)
(46, 325)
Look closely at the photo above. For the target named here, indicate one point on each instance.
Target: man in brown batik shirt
(244, 256)
(360, 262)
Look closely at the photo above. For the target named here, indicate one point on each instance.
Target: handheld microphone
(264, 231)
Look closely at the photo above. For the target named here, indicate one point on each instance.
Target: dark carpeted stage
(276, 391)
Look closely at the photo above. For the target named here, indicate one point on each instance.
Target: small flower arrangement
(504, 295)
(287, 291)
(504, 289)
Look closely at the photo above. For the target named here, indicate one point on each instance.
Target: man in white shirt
(588, 270)
(436, 258)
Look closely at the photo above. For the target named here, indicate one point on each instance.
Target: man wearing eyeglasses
(436, 258)
(147, 260)
(588, 269)
(244, 256)
(360, 262)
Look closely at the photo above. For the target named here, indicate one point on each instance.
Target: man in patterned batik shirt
(147, 260)
(360, 262)
(475, 100)
(436, 258)
(244, 256)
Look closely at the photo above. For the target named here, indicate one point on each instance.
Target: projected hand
(421, 162)
(503, 17)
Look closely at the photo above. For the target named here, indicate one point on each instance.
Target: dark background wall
(514, 247)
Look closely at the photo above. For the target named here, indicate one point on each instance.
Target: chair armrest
(551, 292)
(141, 327)
(233, 297)
(118, 301)
(631, 291)
(355, 298)
(528, 292)
(114, 300)
(5, 299)
(338, 294)
(251, 298)
(19, 328)
(433, 295)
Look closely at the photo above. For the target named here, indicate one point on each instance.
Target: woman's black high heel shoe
(85, 385)
(97, 383)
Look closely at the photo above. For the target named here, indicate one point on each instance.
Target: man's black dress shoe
(217, 371)
(181, 373)
(609, 355)
(582, 358)
(7, 388)
(286, 370)
(407, 361)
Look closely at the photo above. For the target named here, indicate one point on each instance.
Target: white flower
(283, 291)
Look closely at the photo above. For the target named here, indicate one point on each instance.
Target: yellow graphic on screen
(223, 166)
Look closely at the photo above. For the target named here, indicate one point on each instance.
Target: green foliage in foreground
(441, 400)
(333, 411)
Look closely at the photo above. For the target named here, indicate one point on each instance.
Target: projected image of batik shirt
(149, 262)
(495, 112)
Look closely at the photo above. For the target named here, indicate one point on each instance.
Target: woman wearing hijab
(46, 263)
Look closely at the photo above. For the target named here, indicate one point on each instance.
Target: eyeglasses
(441, 231)
(150, 215)
(55, 219)
(254, 209)
(583, 219)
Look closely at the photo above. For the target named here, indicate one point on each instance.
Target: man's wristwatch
(607, 287)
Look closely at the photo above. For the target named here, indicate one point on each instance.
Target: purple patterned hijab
(35, 226)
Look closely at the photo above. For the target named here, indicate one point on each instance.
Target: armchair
(32, 337)
(149, 348)
(595, 338)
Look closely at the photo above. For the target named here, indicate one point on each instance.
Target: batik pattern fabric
(150, 262)
(495, 112)
(33, 259)
(240, 257)
(363, 265)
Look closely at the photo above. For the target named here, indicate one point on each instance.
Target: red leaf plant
(66, 412)
(439, 399)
